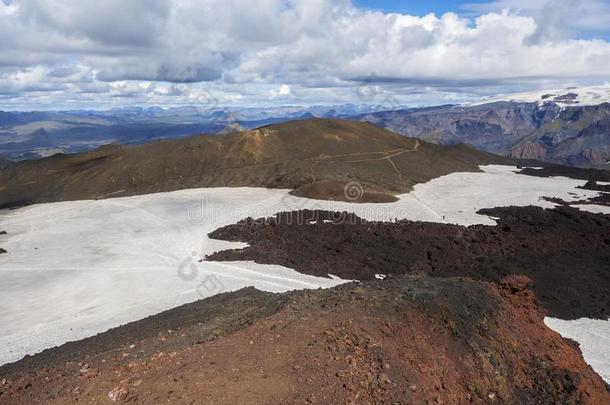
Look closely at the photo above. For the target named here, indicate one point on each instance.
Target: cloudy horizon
(65, 54)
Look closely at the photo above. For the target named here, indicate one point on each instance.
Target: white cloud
(313, 49)
(556, 19)
(282, 91)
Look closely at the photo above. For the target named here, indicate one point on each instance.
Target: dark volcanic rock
(593, 185)
(2, 233)
(566, 97)
(564, 251)
(567, 171)
(603, 199)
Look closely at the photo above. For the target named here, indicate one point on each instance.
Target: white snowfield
(75, 269)
(592, 95)
(594, 338)
(595, 209)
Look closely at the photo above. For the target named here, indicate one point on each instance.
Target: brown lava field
(564, 251)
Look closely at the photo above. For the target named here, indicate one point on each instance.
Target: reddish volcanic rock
(407, 339)
(516, 283)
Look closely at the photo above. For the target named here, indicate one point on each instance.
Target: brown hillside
(289, 155)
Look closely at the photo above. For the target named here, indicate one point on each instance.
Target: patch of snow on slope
(75, 269)
(595, 209)
(593, 95)
(457, 197)
(594, 338)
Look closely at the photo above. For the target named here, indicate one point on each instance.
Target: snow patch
(595, 209)
(593, 335)
(458, 196)
(585, 96)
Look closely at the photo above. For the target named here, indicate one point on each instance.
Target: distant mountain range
(32, 135)
(569, 127)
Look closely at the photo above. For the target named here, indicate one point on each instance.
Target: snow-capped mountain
(570, 96)
(570, 126)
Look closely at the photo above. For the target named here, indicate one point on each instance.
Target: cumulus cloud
(315, 49)
(556, 19)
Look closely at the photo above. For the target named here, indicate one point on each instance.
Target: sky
(418, 7)
(91, 54)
